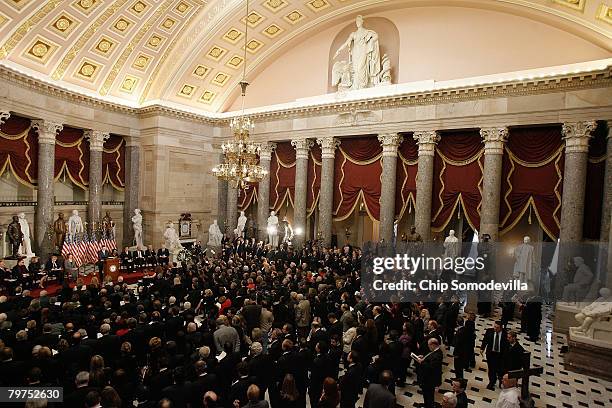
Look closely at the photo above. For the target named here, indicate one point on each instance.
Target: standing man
(513, 358)
(462, 351)
(459, 385)
(102, 257)
(510, 395)
(495, 343)
(430, 371)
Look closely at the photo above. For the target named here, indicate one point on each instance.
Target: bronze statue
(15, 236)
(59, 229)
(108, 226)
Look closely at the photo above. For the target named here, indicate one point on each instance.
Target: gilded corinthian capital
(46, 130)
(427, 141)
(577, 135)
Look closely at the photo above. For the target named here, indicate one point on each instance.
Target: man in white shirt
(510, 395)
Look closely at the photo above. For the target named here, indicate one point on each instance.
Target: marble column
(390, 143)
(96, 144)
(426, 140)
(263, 192)
(576, 136)
(326, 194)
(47, 131)
(132, 188)
(221, 200)
(606, 210)
(494, 140)
(231, 220)
(302, 148)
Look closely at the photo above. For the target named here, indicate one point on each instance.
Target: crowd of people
(244, 327)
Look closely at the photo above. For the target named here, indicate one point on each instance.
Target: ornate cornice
(96, 139)
(577, 135)
(390, 143)
(302, 147)
(266, 151)
(47, 130)
(328, 146)
(4, 115)
(427, 141)
(494, 139)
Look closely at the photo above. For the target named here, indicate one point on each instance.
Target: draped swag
(113, 162)
(405, 176)
(282, 176)
(247, 196)
(19, 150)
(72, 156)
(458, 169)
(357, 173)
(313, 179)
(596, 169)
(532, 174)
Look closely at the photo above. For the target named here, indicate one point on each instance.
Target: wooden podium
(111, 268)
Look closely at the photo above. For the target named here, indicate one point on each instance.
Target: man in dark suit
(238, 390)
(430, 371)
(102, 257)
(108, 345)
(459, 385)
(378, 395)
(204, 382)
(53, 268)
(470, 327)
(321, 369)
(495, 343)
(462, 350)
(352, 381)
(76, 397)
(513, 357)
(139, 259)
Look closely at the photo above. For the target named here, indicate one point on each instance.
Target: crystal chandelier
(241, 155)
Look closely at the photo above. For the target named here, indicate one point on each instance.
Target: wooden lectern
(111, 268)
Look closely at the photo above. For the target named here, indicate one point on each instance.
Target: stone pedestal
(564, 317)
(589, 359)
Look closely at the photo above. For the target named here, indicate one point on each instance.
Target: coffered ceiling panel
(191, 52)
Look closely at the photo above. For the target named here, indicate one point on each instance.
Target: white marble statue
(26, 245)
(577, 291)
(288, 231)
(364, 57)
(137, 226)
(75, 224)
(524, 261)
(598, 311)
(451, 245)
(242, 220)
(172, 239)
(215, 236)
(273, 229)
(385, 72)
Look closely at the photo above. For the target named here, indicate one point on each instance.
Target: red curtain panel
(72, 156)
(19, 150)
(596, 170)
(405, 176)
(313, 179)
(282, 176)
(113, 162)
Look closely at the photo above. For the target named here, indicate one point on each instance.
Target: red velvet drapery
(113, 162)
(72, 156)
(596, 170)
(357, 172)
(458, 162)
(313, 179)
(247, 196)
(282, 175)
(405, 180)
(19, 150)
(532, 175)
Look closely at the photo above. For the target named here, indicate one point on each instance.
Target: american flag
(85, 249)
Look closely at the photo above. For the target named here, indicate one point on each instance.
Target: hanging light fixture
(241, 155)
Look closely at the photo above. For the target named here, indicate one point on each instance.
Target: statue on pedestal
(108, 226)
(137, 225)
(242, 220)
(26, 246)
(578, 290)
(75, 224)
(598, 311)
(59, 230)
(523, 261)
(287, 231)
(172, 239)
(414, 242)
(451, 245)
(215, 236)
(15, 236)
(273, 229)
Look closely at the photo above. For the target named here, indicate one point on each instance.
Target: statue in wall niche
(242, 220)
(598, 311)
(363, 68)
(578, 290)
(215, 236)
(137, 225)
(59, 230)
(26, 246)
(15, 236)
(108, 226)
(524, 261)
(273, 229)
(75, 224)
(451, 245)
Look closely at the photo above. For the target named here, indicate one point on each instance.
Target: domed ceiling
(190, 52)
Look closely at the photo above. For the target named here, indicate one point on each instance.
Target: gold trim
(23, 135)
(544, 162)
(599, 159)
(359, 162)
(283, 164)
